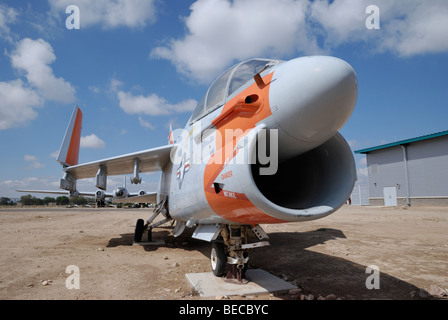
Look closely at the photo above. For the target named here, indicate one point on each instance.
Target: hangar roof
(402, 142)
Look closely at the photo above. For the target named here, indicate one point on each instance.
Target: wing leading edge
(149, 161)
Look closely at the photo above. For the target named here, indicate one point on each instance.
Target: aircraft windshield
(217, 91)
(199, 109)
(228, 83)
(245, 72)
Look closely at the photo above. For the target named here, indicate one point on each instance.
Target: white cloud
(115, 85)
(7, 16)
(92, 142)
(54, 154)
(407, 27)
(152, 105)
(341, 20)
(17, 104)
(19, 99)
(109, 13)
(145, 124)
(35, 164)
(34, 57)
(221, 31)
(8, 187)
(27, 157)
(419, 27)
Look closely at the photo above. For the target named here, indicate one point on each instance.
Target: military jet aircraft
(261, 147)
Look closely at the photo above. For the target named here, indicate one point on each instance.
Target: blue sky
(136, 66)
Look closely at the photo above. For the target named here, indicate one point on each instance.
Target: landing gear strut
(231, 249)
(141, 227)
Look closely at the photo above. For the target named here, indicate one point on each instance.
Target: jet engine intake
(308, 186)
(100, 195)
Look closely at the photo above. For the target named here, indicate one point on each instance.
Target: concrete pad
(260, 281)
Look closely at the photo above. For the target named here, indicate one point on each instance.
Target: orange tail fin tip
(69, 151)
(170, 136)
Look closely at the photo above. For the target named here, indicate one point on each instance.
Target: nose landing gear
(141, 227)
(231, 248)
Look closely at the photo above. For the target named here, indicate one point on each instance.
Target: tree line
(29, 200)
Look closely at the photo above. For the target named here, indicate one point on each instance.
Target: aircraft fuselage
(232, 162)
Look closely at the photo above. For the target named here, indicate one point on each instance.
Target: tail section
(69, 151)
(170, 136)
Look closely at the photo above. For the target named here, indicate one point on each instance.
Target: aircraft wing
(146, 198)
(67, 193)
(149, 160)
(46, 191)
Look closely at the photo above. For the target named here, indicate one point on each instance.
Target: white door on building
(390, 196)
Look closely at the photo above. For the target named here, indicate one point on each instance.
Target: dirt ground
(322, 257)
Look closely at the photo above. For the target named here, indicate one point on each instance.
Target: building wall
(360, 195)
(428, 167)
(427, 172)
(386, 169)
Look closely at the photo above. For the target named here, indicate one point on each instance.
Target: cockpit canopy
(230, 83)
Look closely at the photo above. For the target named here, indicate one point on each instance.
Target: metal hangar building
(409, 172)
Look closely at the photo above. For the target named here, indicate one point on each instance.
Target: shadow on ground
(288, 257)
(322, 274)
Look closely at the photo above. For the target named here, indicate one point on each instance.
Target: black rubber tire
(139, 228)
(218, 258)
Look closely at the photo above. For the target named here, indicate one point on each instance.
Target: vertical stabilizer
(170, 136)
(69, 151)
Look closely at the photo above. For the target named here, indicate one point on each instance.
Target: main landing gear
(230, 243)
(230, 249)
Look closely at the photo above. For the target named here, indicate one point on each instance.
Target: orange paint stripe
(75, 141)
(235, 115)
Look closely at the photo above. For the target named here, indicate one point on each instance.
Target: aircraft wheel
(246, 265)
(139, 228)
(218, 259)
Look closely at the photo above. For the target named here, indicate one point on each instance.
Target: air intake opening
(323, 176)
(251, 99)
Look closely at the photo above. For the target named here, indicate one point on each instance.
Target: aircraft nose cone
(312, 98)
